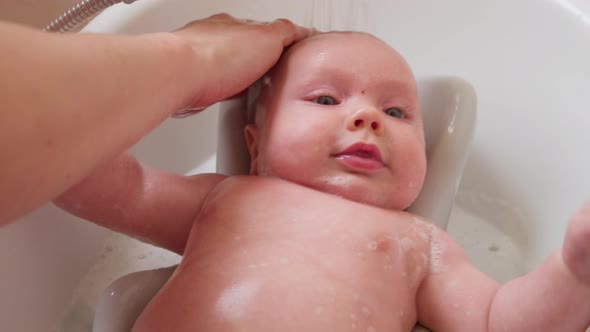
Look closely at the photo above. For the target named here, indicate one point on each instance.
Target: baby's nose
(365, 119)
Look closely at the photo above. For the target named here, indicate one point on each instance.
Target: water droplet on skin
(284, 260)
(424, 259)
(365, 311)
(405, 244)
(237, 238)
(318, 310)
(372, 246)
(353, 316)
(353, 326)
(417, 219)
(371, 329)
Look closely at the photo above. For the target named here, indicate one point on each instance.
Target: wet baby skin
(316, 239)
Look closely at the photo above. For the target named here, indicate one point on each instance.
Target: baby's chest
(294, 229)
(313, 256)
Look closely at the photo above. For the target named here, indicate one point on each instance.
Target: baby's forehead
(338, 40)
(333, 55)
(340, 48)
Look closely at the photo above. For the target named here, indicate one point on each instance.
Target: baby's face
(339, 114)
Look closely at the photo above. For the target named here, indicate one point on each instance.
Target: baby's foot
(576, 248)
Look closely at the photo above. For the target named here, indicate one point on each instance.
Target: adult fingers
(290, 32)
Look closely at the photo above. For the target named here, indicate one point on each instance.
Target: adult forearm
(549, 298)
(72, 102)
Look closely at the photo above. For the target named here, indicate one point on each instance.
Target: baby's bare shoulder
(248, 187)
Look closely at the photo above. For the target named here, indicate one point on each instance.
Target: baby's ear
(251, 134)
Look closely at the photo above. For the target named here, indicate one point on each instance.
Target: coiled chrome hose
(80, 13)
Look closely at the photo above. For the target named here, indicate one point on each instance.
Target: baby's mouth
(361, 156)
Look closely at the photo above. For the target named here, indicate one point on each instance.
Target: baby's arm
(554, 297)
(139, 201)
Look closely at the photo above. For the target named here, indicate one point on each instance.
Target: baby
(319, 240)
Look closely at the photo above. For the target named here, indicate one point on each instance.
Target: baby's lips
(363, 150)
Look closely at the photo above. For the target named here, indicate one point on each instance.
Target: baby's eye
(395, 112)
(325, 100)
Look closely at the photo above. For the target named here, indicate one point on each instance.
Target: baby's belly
(285, 258)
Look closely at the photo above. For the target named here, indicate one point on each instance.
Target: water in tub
(479, 221)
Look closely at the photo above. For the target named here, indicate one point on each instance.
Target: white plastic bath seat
(449, 109)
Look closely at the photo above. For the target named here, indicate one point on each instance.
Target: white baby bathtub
(526, 172)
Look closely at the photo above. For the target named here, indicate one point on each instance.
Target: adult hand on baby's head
(230, 54)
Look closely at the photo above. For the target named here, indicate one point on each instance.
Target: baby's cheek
(287, 156)
(417, 169)
(410, 170)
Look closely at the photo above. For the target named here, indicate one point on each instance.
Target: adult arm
(71, 103)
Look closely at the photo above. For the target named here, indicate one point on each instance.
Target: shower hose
(84, 10)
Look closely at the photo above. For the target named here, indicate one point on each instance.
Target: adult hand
(237, 52)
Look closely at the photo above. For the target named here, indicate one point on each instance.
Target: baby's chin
(344, 187)
(351, 188)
